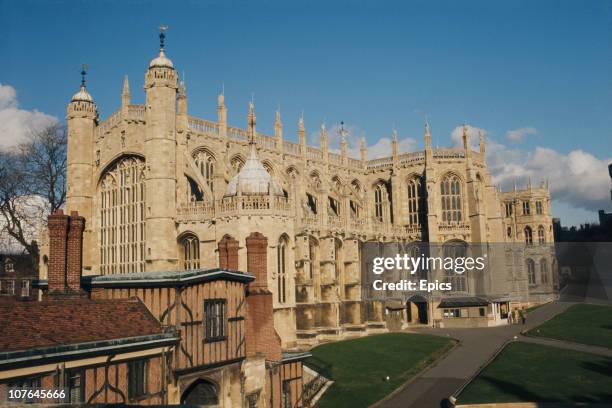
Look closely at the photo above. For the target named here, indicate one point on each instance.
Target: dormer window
(9, 266)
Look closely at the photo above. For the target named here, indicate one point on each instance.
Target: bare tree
(32, 185)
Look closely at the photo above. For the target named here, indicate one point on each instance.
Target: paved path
(477, 346)
(585, 348)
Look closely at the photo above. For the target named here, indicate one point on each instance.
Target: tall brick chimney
(57, 223)
(65, 253)
(228, 253)
(261, 337)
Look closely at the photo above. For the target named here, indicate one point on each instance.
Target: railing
(411, 157)
(448, 153)
(267, 142)
(195, 211)
(291, 148)
(136, 112)
(228, 206)
(112, 121)
(459, 226)
(379, 163)
(312, 387)
(313, 153)
(236, 133)
(335, 159)
(201, 125)
(354, 163)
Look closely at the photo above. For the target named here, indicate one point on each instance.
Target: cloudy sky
(535, 77)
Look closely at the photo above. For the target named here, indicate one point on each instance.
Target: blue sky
(544, 66)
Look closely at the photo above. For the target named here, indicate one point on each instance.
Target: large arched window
(450, 193)
(528, 235)
(122, 225)
(531, 271)
(416, 202)
(206, 164)
(454, 250)
(543, 270)
(190, 248)
(541, 235)
(281, 269)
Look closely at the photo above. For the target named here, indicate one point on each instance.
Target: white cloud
(17, 124)
(382, 148)
(473, 133)
(517, 135)
(578, 178)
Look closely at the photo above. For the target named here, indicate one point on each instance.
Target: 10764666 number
(27, 394)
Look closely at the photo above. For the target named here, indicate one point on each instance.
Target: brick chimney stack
(261, 337)
(57, 224)
(228, 253)
(65, 253)
(74, 255)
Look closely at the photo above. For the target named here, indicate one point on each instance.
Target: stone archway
(417, 310)
(201, 393)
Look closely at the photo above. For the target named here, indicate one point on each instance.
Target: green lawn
(358, 367)
(582, 323)
(534, 373)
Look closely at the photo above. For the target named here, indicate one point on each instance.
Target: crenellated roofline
(136, 113)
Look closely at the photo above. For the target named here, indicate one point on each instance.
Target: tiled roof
(28, 325)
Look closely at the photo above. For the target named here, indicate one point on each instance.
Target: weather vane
(162, 35)
(342, 132)
(83, 73)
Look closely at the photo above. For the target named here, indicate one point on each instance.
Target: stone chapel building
(163, 190)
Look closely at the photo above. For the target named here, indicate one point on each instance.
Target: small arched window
(531, 271)
(450, 193)
(382, 201)
(190, 246)
(541, 235)
(528, 235)
(281, 269)
(206, 164)
(509, 232)
(544, 270)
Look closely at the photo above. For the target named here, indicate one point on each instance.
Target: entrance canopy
(470, 301)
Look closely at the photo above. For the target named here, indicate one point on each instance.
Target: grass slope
(534, 373)
(582, 323)
(358, 366)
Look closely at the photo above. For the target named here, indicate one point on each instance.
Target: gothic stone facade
(153, 181)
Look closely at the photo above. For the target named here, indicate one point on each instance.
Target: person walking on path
(523, 316)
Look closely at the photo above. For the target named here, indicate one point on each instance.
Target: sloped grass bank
(525, 372)
(359, 367)
(582, 323)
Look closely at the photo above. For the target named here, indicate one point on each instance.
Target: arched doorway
(201, 392)
(417, 310)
